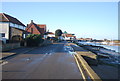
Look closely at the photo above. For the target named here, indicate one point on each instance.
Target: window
(3, 34)
(12, 25)
(16, 25)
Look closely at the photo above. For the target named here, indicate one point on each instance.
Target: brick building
(34, 28)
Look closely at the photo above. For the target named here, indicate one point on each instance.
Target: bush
(33, 40)
(55, 39)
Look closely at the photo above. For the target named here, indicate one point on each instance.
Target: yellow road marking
(79, 68)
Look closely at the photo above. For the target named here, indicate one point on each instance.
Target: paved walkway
(15, 51)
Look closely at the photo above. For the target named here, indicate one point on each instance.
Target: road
(48, 62)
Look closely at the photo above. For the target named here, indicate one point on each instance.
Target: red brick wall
(42, 28)
(35, 31)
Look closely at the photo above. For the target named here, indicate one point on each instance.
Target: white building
(69, 37)
(50, 34)
(10, 27)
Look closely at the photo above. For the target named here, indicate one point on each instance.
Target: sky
(97, 20)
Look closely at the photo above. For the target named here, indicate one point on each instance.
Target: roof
(50, 33)
(29, 25)
(7, 18)
(65, 32)
(40, 27)
(69, 35)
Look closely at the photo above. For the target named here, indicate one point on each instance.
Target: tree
(58, 32)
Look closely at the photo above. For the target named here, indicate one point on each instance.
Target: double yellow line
(86, 71)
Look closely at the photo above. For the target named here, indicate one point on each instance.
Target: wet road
(49, 62)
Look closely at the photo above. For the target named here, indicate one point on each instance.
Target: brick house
(10, 27)
(34, 28)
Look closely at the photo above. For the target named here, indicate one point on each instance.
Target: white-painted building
(10, 27)
(50, 34)
(69, 36)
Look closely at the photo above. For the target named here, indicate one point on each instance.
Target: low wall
(7, 47)
(86, 71)
(46, 42)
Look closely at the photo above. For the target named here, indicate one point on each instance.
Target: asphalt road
(49, 62)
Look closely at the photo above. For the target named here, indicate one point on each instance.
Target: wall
(46, 42)
(4, 28)
(35, 31)
(15, 31)
(7, 47)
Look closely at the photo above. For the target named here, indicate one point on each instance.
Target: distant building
(11, 28)
(50, 34)
(84, 39)
(68, 36)
(34, 28)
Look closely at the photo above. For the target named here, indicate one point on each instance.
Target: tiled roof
(7, 18)
(50, 33)
(69, 35)
(29, 25)
(40, 27)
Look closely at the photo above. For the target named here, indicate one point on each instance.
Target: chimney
(31, 21)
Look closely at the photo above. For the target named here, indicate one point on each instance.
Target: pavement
(14, 52)
(54, 61)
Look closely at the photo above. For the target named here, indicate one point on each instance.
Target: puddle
(72, 53)
(69, 49)
(28, 59)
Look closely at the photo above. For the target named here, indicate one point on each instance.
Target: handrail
(85, 69)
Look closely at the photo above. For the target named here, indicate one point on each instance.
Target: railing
(87, 72)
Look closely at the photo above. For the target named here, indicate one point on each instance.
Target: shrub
(55, 39)
(33, 40)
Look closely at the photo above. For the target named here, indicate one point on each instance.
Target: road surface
(49, 62)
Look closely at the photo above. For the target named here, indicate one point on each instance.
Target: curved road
(49, 62)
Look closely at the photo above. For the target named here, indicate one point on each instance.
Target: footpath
(13, 52)
(21, 50)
